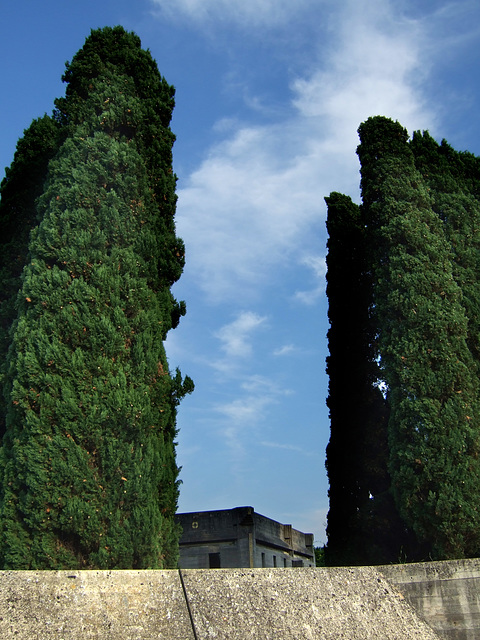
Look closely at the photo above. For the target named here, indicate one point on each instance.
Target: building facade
(241, 537)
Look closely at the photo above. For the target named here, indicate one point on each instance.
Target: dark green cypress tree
(350, 365)
(21, 186)
(423, 341)
(454, 180)
(363, 525)
(88, 460)
(119, 53)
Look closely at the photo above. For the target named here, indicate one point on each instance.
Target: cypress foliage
(454, 179)
(423, 341)
(114, 53)
(363, 524)
(20, 188)
(411, 256)
(351, 366)
(88, 459)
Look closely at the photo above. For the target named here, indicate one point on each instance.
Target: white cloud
(317, 264)
(239, 420)
(246, 207)
(235, 336)
(243, 415)
(378, 69)
(264, 386)
(247, 13)
(243, 411)
(285, 350)
(249, 208)
(287, 447)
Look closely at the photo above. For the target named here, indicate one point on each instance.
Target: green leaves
(424, 321)
(362, 523)
(408, 262)
(88, 475)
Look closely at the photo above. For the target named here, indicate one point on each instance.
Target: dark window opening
(214, 560)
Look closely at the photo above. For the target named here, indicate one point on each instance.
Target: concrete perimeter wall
(233, 604)
(371, 603)
(446, 594)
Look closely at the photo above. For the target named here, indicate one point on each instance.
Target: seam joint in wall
(187, 602)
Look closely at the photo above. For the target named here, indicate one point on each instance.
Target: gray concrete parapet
(100, 605)
(225, 604)
(300, 604)
(446, 594)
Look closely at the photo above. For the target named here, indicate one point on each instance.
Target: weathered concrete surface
(446, 594)
(105, 605)
(300, 604)
(360, 603)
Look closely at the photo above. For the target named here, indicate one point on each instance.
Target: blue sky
(269, 97)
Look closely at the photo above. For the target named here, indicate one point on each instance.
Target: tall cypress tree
(88, 460)
(348, 343)
(418, 230)
(115, 52)
(363, 524)
(423, 340)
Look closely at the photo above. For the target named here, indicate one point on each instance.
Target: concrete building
(241, 537)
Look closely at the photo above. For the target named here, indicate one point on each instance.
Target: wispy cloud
(251, 204)
(246, 207)
(377, 68)
(243, 411)
(255, 393)
(241, 416)
(239, 419)
(288, 447)
(248, 13)
(285, 350)
(236, 336)
(263, 386)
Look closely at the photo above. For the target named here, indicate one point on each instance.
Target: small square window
(214, 560)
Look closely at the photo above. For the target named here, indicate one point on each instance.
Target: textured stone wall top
(74, 605)
(300, 604)
(225, 604)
